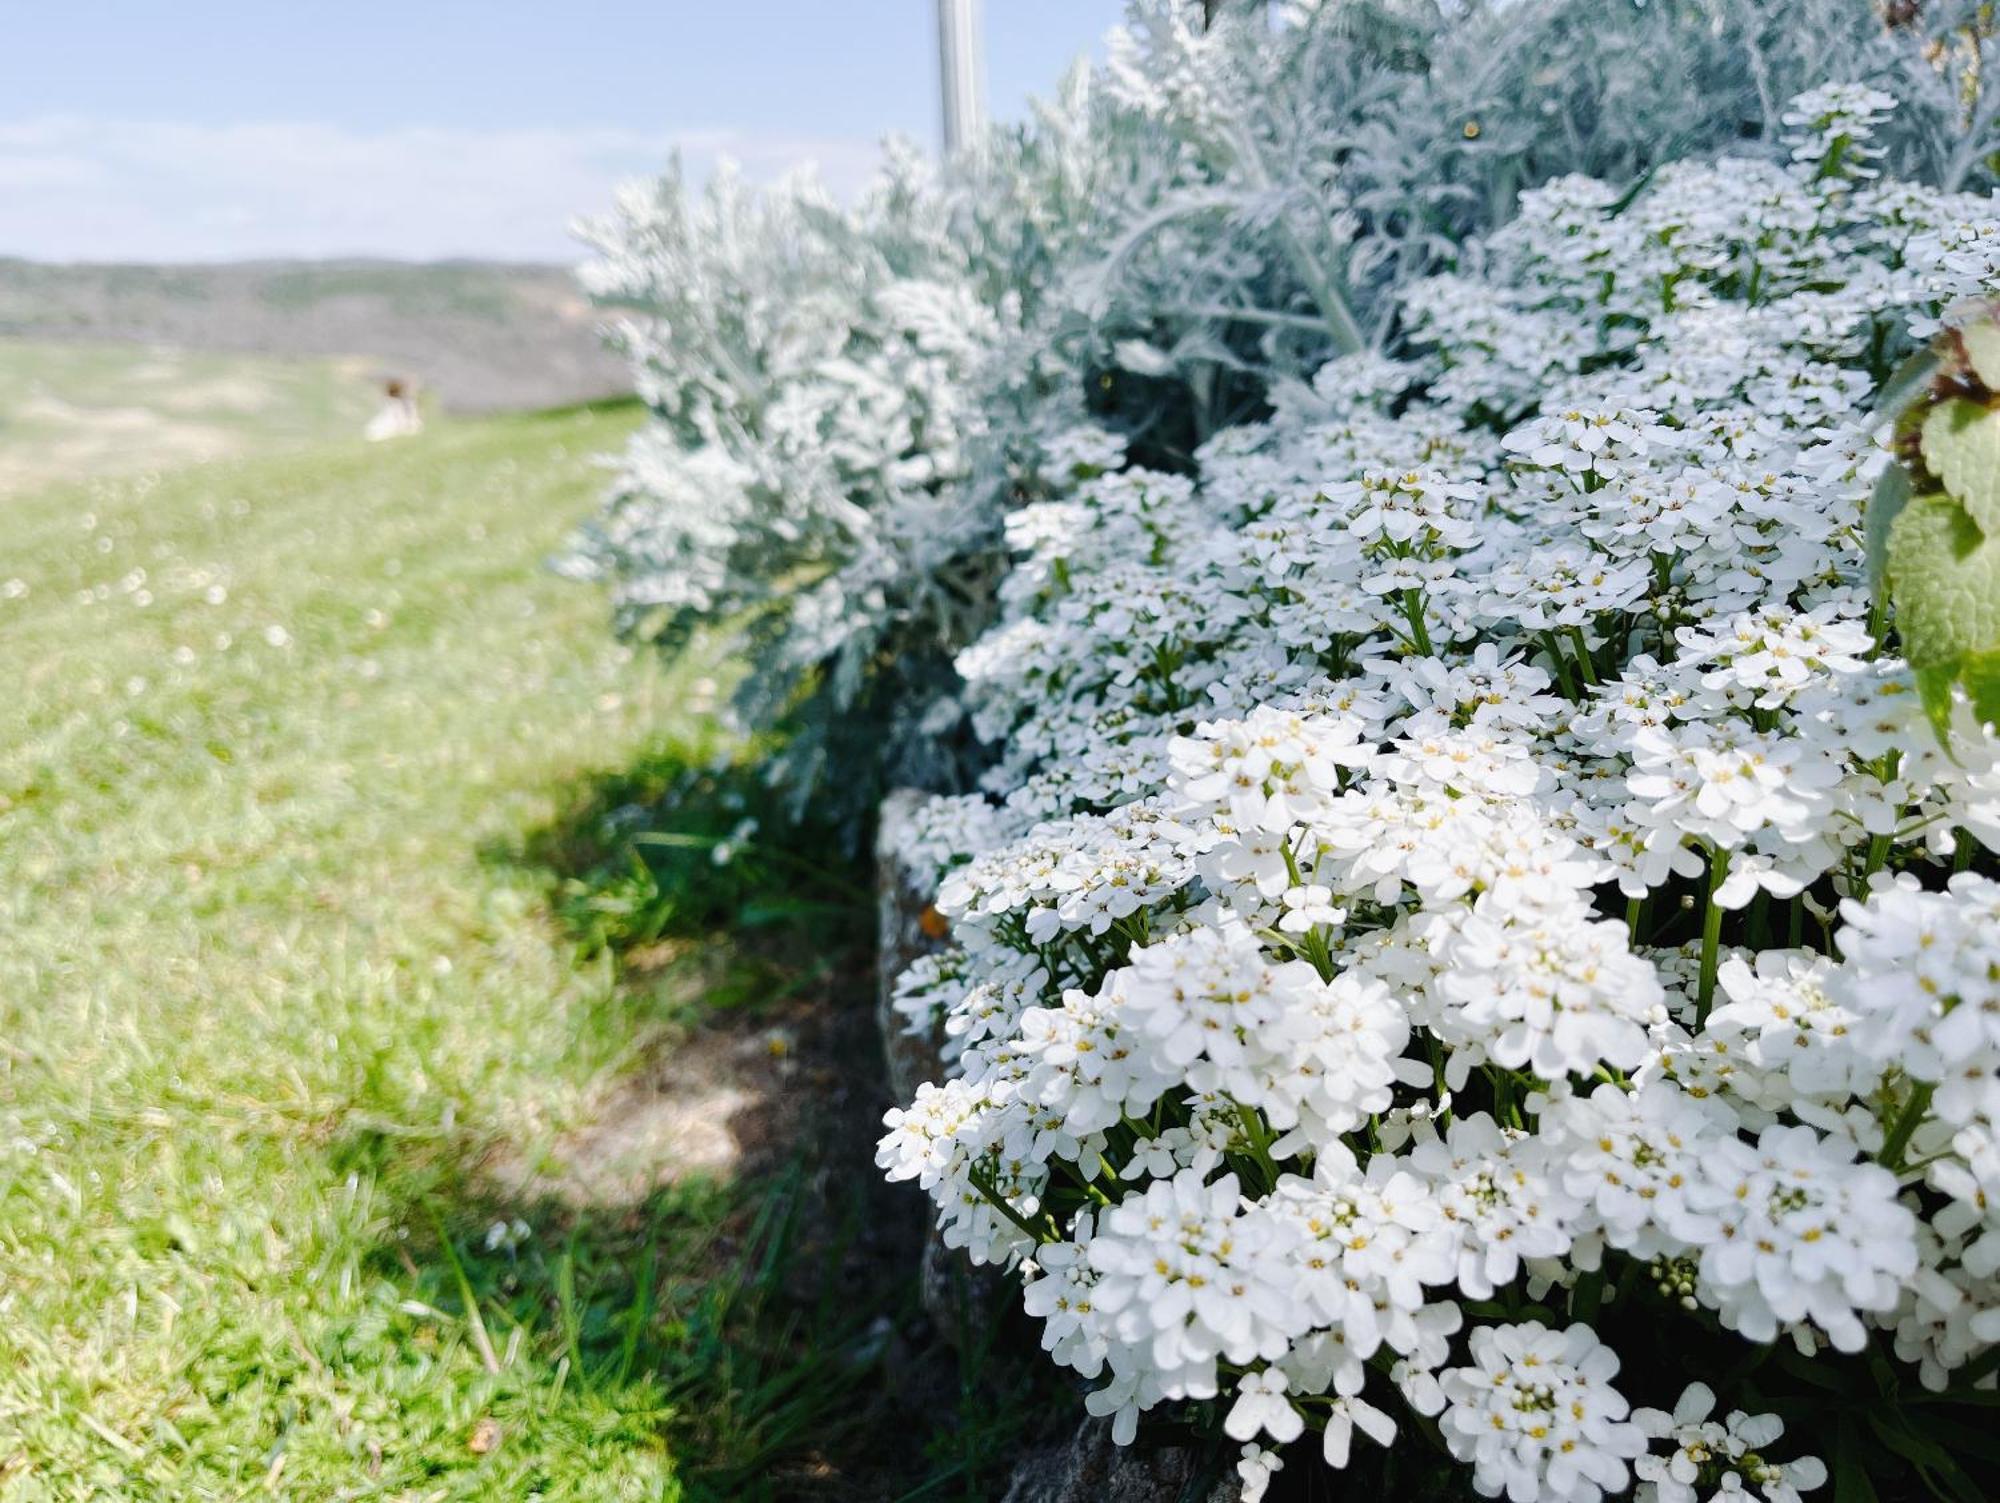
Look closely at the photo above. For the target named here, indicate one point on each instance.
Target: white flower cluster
(1724, 1456)
(846, 398)
(1464, 877)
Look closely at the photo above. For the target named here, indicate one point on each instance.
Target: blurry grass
(263, 1006)
(68, 410)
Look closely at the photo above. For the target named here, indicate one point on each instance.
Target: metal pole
(961, 75)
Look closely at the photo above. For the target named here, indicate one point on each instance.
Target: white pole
(961, 75)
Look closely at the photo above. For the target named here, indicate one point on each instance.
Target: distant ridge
(481, 336)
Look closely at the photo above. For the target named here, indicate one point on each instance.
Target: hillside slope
(479, 336)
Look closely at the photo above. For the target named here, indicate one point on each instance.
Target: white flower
(1085, 1063)
(1580, 443)
(1213, 1009)
(1793, 1229)
(1765, 658)
(1634, 1157)
(1262, 1408)
(1270, 771)
(1781, 1017)
(1060, 1296)
(1723, 781)
(1727, 1456)
(1499, 1191)
(1344, 1416)
(1537, 1417)
(1310, 907)
(1921, 973)
(1553, 990)
(1254, 1469)
(1189, 1275)
(1313, 770)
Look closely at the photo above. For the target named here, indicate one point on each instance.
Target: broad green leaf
(1934, 690)
(1982, 346)
(1962, 448)
(1891, 1430)
(1891, 495)
(1944, 577)
(1980, 672)
(1958, 1439)
(1850, 1477)
(1904, 382)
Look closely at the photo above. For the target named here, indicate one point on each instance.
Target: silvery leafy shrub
(1468, 941)
(849, 399)
(808, 366)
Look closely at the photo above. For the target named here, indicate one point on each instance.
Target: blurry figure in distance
(399, 417)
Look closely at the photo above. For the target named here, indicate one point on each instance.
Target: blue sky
(225, 129)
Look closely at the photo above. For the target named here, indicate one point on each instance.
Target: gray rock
(902, 938)
(952, 1292)
(1089, 1468)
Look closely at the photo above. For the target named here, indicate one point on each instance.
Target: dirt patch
(711, 1102)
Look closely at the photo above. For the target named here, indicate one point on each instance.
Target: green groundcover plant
(1473, 938)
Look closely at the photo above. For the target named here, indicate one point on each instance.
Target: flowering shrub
(1466, 888)
(849, 399)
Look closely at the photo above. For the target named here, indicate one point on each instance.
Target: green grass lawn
(273, 990)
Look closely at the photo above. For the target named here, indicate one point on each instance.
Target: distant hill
(479, 336)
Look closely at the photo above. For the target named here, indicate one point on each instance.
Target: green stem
(1253, 1129)
(1885, 769)
(1584, 664)
(1760, 921)
(1559, 661)
(1413, 610)
(1088, 1186)
(1906, 1124)
(1037, 1235)
(1711, 932)
(1878, 622)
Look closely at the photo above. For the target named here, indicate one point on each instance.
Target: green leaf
(1821, 1375)
(1626, 199)
(1980, 672)
(1904, 382)
(1891, 494)
(1931, 1460)
(1892, 1432)
(1962, 448)
(1982, 347)
(1934, 689)
(1956, 1439)
(1850, 1478)
(1944, 577)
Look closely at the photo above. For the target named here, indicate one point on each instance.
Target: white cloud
(73, 188)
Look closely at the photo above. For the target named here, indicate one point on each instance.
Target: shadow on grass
(711, 1266)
